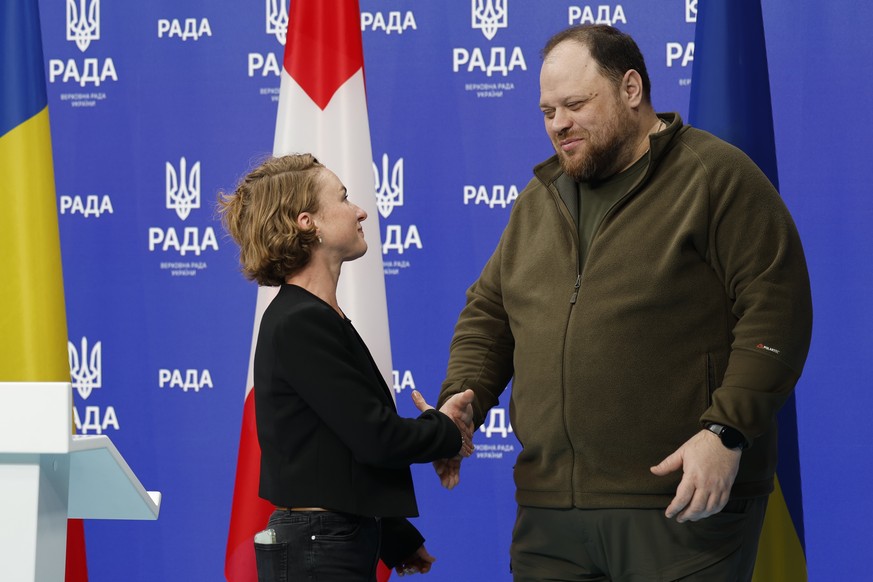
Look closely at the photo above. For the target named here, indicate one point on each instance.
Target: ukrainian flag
(33, 344)
(33, 324)
(730, 98)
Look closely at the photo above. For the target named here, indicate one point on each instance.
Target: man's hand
(709, 470)
(460, 409)
(419, 562)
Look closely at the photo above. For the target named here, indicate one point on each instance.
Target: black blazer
(329, 433)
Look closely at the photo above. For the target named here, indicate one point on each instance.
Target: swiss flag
(76, 565)
(322, 111)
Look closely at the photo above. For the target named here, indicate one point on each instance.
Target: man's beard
(608, 153)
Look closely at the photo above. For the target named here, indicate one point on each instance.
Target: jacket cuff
(400, 539)
(754, 388)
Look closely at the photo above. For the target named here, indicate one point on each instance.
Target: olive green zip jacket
(693, 305)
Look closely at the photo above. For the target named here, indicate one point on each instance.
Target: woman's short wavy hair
(261, 216)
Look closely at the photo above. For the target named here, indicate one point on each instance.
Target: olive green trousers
(636, 545)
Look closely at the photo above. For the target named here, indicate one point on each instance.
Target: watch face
(732, 438)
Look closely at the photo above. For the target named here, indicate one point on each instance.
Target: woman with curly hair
(335, 454)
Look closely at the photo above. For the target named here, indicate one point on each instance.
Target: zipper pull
(576, 289)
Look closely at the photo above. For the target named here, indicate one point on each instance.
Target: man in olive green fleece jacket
(650, 301)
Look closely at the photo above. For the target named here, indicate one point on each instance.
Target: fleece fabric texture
(693, 305)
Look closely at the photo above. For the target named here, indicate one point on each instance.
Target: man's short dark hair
(614, 52)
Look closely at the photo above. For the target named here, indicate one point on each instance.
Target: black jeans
(319, 546)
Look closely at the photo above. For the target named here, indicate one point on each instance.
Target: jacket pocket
(710, 379)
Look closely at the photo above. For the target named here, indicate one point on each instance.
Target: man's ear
(632, 88)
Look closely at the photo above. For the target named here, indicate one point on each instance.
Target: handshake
(460, 409)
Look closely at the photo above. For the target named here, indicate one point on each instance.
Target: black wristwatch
(730, 437)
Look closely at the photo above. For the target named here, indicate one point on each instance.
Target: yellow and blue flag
(33, 340)
(730, 98)
(33, 345)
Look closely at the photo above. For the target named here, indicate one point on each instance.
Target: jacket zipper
(575, 232)
(576, 285)
(608, 214)
(576, 289)
(562, 209)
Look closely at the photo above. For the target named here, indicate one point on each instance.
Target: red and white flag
(322, 111)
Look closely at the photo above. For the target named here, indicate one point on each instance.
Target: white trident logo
(83, 25)
(183, 192)
(389, 194)
(489, 15)
(690, 10)
(277, 19)
(85, 368)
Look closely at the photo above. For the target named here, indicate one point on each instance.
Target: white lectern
(47, 475)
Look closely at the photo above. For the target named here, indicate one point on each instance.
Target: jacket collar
(550, 170)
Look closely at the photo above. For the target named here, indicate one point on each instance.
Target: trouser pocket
(272, 562)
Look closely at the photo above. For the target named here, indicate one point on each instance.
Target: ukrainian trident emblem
(277, 19)
(85, 367)
(389, 193)
(183, 191)
(83, 22)
(489, 16)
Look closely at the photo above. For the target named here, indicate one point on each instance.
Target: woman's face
(338, 220)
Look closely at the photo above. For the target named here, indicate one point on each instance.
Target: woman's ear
(305, 221)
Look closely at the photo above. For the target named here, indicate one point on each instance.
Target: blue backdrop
(153, 103)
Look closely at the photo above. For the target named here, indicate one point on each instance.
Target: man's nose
(561, 122)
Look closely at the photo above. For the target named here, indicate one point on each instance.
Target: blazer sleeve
(316, 356)
(400, 539)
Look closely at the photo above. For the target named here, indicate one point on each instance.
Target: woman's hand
(460, 409)
(419, 562)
